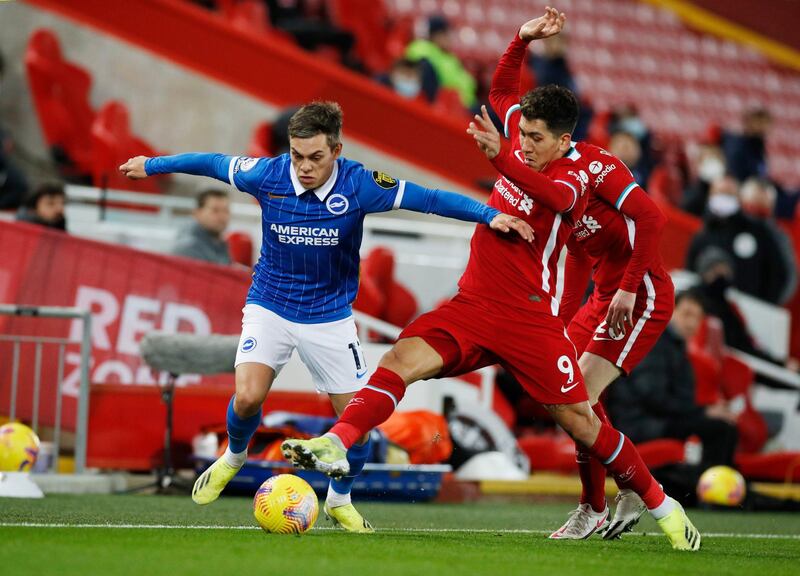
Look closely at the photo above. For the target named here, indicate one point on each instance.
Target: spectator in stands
(436, 51)
(13, 184)
(551, 66)
(625, 118)
(708, 166)
(202, 238)
(45, 207)
(746, 152)
(716, 270)
(405, 78)
(657, 400)
(627, 148)
(761, 266)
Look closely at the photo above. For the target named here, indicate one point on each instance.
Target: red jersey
(506, 268)
(620, 227)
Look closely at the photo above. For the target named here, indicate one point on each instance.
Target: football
(285, 504)
(19, 447)
(721, 485)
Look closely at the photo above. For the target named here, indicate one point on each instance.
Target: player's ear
(564, 142)
(336, 150)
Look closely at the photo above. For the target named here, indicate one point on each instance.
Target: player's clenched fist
(506, 223)
(134, 168)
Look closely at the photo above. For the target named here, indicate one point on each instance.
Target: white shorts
(331, 350)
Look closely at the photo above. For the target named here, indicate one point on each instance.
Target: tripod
(165, 481)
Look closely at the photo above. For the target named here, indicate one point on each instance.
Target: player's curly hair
(319, 117)
(555, 105)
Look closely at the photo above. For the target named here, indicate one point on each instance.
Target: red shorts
(651, 314)
(470, 333)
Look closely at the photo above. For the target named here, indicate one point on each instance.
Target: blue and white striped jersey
(308, 268)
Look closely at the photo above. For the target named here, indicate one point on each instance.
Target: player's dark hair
(318, 118)
(555, 105)
(203, 197)
(693, 295)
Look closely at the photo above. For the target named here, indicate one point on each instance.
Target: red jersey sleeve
(504, 93)
(577, 271)
(614, 183)
(559, 191)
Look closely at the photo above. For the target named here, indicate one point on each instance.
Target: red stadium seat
(555, 453)
(60, 92)
(261, 141)
(240, 247)
(657, 453)
(369, 22)
(112, 144)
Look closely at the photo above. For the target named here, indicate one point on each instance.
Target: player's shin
(620, 457)
(240, 430)
(370, 407)
(339, 490)
(592, 471)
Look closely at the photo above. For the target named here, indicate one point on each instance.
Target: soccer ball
(19, 447)
(285, 504)
(721, 485)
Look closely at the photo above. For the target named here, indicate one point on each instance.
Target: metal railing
(39, 342)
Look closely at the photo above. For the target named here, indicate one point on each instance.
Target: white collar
(323, 190)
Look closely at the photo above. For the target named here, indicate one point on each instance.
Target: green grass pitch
(66, 535)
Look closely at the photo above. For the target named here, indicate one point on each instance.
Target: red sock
(370, 407)
(620, 457)
(592, 471)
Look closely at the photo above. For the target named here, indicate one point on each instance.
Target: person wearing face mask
(405, 79)
(716, 270)
(760, 267)
(709, 166)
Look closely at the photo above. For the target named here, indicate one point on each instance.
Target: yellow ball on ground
(19, 447)
(285, 504)
(721, 485)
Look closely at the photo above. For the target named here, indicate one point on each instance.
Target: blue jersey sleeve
(379, 192)
(243, 173)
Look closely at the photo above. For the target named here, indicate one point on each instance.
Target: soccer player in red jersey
(616, 243)
(507, 308)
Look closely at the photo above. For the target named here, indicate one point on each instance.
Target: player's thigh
(442, 342)
(598, 373)
(543, 360)
(651, 315)
(332, 353)
(582, 326)
(266, 344)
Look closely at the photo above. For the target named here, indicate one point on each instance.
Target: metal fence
(39, 343)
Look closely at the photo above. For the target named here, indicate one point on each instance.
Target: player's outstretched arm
(557, 196)
(504, 92)
(212, 165)
(452, 205)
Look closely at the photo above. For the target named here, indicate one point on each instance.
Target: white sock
(236, 460)
(334, 499)
(336, 439)
(663, 509)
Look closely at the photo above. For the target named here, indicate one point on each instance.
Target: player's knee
(580, 425)
(250, 395)
(396, 361)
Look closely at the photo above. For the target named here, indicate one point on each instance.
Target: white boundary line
(385, 530)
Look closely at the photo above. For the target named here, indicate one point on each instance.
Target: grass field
(170, 535)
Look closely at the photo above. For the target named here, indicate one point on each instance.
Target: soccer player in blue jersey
(313, 205)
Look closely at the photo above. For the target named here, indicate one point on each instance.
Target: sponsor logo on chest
(513, 195)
